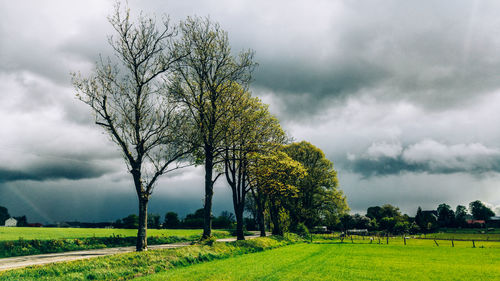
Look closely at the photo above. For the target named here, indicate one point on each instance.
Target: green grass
(130, 265)
(398, 240)
(46, 233)
(466, 236)
(348, 262)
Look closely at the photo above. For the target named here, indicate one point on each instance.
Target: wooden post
(387, 238)
(404, 239)
(473, 244)
(452, 244)
(436, 242)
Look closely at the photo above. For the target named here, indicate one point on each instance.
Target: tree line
(176, 96)
(389, 219)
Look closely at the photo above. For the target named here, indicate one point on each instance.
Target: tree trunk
(275, 219)
(239, 221)
(260, 214)
(207, 224)
(142, 240)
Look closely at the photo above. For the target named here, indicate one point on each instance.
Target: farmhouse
(11, 222)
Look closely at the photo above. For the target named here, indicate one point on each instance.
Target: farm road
(23, 261)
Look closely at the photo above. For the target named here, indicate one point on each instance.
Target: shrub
(302, 230)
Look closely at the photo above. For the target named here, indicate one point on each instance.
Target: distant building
(11, 222)
(475, 221)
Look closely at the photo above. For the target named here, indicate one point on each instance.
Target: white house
(11, 222)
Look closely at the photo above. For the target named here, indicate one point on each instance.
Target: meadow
(20, 241)
(46, 233)
(136, 264)
(344, 261)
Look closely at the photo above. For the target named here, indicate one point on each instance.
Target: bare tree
(131, 103)
(205, 80)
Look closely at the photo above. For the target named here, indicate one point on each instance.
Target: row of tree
(172, 221)
(177, 97)
(389, 218)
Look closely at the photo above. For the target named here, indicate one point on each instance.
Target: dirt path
(18, 262)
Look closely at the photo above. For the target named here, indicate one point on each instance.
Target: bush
(302, 230)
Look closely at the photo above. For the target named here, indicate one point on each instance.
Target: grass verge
(22, 247)
(132, 265)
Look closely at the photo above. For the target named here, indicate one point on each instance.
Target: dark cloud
(400, 96)
(427, 156)
(436, 55)
(54, 170)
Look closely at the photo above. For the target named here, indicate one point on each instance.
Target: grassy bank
(348, 262)
(130, 265)
(23, 247)
(74, 239)
(47, 233)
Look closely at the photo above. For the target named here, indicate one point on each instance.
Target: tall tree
(419, 218)
(130, 103)
(204, 83)
(461, 215)
(479, 211)
(446, 216)
(251, 128)
(275, 176)
(321, 177)
(4, 215)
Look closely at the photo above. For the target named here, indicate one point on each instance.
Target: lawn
(348, 262)
(46, 233)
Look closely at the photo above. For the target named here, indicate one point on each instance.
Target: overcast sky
(403, 97)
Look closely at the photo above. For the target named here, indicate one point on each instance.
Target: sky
(403, 98)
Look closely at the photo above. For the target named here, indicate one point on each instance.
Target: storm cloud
(402, 97)
(427, 156)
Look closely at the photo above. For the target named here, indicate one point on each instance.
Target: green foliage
(4, 215)
(302, 230)
(153, 221)
(479, 211)
(132, 265)
(317, 196)
(171, 220)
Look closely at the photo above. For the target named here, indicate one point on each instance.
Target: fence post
(387, 238)
(473, 244)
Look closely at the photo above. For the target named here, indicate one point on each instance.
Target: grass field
(398, 241)
(46, 233)
(467, 236)
(129, 265)
(348, 262)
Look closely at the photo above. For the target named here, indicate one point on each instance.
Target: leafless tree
(132, 105)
